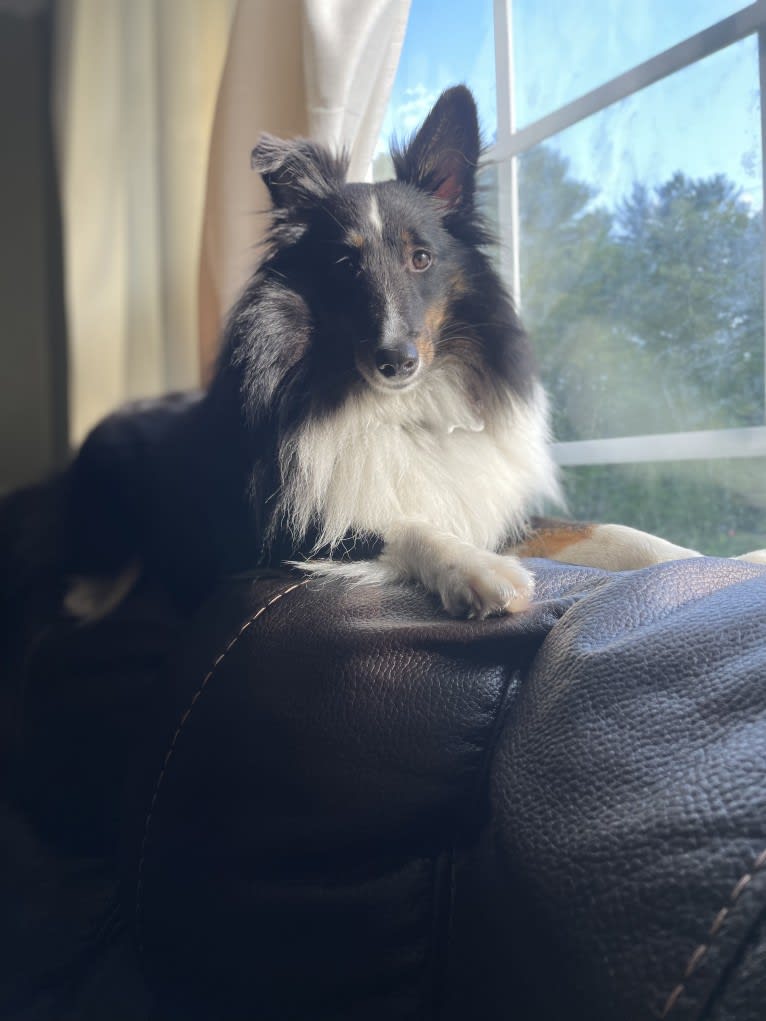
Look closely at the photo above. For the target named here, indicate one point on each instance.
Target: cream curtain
(158, 104)
(136, 83)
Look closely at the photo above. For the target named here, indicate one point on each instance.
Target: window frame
(511, 142)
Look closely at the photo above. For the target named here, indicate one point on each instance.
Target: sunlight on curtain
(135, 90)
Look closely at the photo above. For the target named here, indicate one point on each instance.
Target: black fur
(188, 484)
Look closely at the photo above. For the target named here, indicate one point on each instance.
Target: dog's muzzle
(398, 363)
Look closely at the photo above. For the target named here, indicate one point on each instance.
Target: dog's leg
(756, 556)
(469, 581)
(611, 547)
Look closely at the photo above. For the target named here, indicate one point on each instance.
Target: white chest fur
(423, 455)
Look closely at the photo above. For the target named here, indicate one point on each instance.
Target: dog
(375, 411)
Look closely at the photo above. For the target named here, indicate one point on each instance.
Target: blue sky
(704, 120)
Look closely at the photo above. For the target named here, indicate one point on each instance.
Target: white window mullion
(507, 180)
(700, 445)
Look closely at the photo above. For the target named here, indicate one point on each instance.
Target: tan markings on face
(425, 342)
(355, 239)
(458, 284)
(548, 540)
(407, 240)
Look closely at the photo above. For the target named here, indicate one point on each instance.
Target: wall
(33, 433)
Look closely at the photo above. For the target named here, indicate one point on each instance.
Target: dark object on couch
(322, 803)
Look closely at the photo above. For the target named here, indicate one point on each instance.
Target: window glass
(641, 257)
(563, 50)
(717, 507)
(640, 242)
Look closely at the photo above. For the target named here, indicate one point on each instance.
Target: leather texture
(628, 833)
(357, 808)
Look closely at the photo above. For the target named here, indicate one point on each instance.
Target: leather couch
(320, 802)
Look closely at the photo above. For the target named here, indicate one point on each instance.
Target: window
(626, 175)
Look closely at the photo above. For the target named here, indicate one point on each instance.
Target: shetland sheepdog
(375, 411)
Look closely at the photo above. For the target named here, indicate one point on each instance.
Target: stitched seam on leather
(174, 740)
(699, 953)
(511, 683)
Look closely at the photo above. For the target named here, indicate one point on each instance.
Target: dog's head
(382, 268)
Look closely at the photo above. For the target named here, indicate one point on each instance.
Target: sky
(703, 120)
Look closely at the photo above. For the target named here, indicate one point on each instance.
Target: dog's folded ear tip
(297, 171)
(267, 152)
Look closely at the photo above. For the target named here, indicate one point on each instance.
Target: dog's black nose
(397, 362)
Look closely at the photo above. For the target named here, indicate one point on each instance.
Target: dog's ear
(443, 155)
(297, 172)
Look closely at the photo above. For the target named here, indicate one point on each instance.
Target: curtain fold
(351, 52)
(135, 89)
(158, 104)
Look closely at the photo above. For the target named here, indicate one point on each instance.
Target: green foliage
(717, 506)
(696, 249)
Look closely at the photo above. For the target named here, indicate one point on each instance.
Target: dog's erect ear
(443, 155)
(297, 172)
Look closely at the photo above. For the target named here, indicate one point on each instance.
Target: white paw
(756, 556)
(481, 584)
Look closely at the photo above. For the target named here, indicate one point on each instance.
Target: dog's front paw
(483, 583)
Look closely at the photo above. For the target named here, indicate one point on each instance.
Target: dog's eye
(421, 259)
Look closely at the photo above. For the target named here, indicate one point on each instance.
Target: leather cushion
(629, 832)
(328, 745)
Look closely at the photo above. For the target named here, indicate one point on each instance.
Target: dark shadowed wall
(33, 433)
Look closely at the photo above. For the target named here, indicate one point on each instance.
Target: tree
(695, 248)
